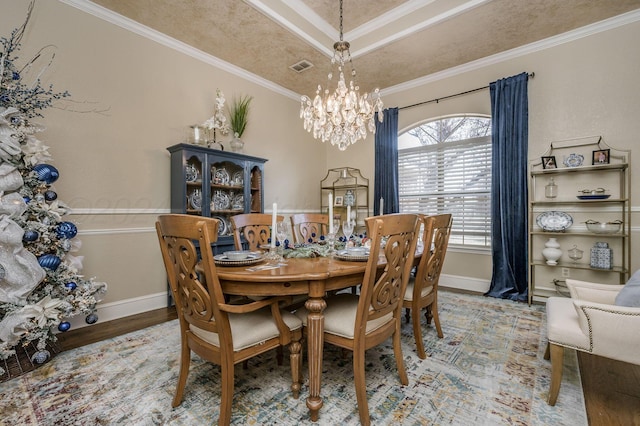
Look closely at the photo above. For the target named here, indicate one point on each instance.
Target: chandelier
(341, 117)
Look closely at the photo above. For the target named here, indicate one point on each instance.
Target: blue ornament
(40, 357)
(64, 326)
(91, 319)
(46, 173)
(50, 195)
(15, 75)
(30, 235)
(66, 230)
(71, 285)
(49, 261)
(26, 199)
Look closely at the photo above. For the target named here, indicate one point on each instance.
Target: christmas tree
(40, 281)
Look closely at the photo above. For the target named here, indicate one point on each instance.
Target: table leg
(315, 332)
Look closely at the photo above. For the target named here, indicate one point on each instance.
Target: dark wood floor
(611, 388)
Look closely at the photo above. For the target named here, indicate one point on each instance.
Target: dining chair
(221, 333)
(422, 291)
(308, 227)
(255, 228)
(360, 322)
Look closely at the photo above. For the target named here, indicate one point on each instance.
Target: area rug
(487, 370)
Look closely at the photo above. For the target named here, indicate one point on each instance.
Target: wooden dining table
(313, 277)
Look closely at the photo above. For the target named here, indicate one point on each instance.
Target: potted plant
(239, 113)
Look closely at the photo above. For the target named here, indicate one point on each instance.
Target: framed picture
(600, 157)
(338, 201)
(549, 162)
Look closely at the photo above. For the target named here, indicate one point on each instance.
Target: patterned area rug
(487, 370)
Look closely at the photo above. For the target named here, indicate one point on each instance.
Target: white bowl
(237, 255)
(604, 227)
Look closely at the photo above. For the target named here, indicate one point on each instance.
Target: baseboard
(124, 308)
(138, 305)
(474, 285)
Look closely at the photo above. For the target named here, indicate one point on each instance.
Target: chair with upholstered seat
(594, 320)
(358, 323)
(422, 291)
(254, 229)
(221, 333)
(309, 227)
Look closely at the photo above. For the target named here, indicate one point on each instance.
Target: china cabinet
(218, 184)
(350, 192)
(579, 199)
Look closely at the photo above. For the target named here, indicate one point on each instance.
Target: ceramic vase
(552, 251)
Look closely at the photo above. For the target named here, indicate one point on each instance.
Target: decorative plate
(593, 197)
(195, 199)
(222, 260)
(221, 200)
(222, 226)
(238, 178)
(554, 221)
(237, 203)
(221, 177)
(574, 160)
(344, 255)
(191, 173)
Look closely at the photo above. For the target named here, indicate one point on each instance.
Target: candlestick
(273, 225)
(349, 213)
(331, 212)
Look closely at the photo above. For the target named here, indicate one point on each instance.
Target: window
(444, 166)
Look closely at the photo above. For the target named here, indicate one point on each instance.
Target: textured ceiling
(392, 41)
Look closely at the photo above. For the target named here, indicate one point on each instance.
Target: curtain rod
(436, 100)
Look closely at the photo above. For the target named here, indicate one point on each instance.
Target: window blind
(450, 177)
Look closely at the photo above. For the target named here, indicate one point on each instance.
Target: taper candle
(381, 206)
(331, 212)
(273, 225)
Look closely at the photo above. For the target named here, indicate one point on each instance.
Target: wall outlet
(566, 272)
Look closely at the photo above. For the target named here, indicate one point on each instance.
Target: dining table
(314, 277)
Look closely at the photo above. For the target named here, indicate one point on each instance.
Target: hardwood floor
(611, 388)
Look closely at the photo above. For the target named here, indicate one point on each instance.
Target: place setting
(238, 258)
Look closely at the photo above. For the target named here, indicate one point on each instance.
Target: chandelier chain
(341, 20)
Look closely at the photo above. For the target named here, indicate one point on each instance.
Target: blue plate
(593, 197)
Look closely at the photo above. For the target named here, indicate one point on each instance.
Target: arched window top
(445, 129)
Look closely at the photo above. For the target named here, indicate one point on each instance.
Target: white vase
(552, 251)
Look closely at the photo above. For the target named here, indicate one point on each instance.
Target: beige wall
(139, 97)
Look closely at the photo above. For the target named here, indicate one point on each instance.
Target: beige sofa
(590, 321)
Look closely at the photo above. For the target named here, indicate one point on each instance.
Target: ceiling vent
(301, 66)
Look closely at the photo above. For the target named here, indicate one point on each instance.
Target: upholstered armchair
(591, 321)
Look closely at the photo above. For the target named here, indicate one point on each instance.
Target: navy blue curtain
(510, 128)
(385, 184)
